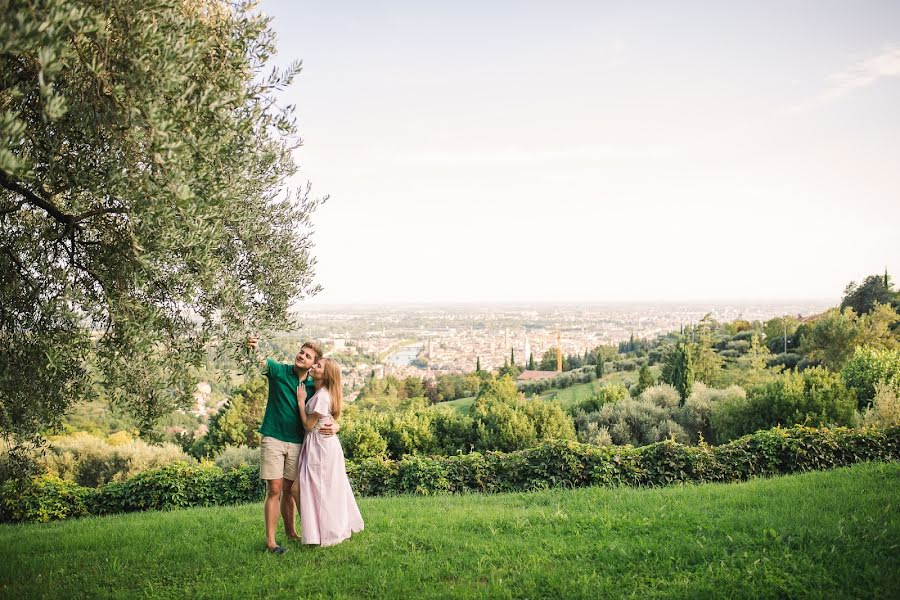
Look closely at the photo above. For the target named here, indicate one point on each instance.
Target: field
(460, 405)
(570, 396)
(567, 397)
(819, 535)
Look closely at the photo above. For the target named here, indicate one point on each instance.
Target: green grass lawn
(570, 396)
(817, 535)
(460, 405)
(567, 397)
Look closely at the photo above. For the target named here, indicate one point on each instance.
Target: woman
(328, 511)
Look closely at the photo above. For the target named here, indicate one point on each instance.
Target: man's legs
(290, 497)
(273, 494)
(290, 501)
(273, 459)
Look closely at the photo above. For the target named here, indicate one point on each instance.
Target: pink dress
(328, 511)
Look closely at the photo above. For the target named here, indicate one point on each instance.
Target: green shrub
(453, 432)
(885, 409)
(570, 464)
(739, 346)
(178, 486)
(608, 393)
(744, 336)
(91, 461)
(869, 367)
(409, 432)
(42, 499)
(400, 432)
(361, 439)
(596, 435)
(503, 426)
(625, 364)
(550, 421)
(237, 423)
(636, 421)
(631, 421)
(500, 419)
(695, 416)
(505, 421)
(373, 476)
(234, 457)
(788, 360)
(814, 397)
(662, 395)
(552, 464)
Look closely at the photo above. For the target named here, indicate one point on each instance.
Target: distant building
(202, 396)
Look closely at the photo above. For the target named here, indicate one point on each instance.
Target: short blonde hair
(314, 347)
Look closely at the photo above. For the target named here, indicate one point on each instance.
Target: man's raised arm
(261, 362)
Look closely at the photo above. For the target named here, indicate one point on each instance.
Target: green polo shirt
(282, 418)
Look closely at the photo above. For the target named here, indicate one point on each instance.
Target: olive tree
(146, 207)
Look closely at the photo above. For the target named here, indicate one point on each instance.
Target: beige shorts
(278, 459)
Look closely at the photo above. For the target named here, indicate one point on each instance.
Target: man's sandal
(276, 550)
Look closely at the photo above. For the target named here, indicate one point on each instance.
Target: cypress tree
(645, 379)
(512, 356)
(478, 364)
(682, 371)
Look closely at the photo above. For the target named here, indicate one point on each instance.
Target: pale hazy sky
(597, 151)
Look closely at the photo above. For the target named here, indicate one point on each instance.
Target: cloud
(866, 71)
(862, 73)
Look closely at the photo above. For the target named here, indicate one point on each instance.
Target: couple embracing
(302, 460)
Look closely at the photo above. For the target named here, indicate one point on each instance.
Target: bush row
(553, 464)
(572, 464)
(180, 485)
(562, 381)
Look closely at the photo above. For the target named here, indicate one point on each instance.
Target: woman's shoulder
(320, 402)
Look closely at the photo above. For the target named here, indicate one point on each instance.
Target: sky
(597, 151)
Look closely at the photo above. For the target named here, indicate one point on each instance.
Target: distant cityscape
(432, 340)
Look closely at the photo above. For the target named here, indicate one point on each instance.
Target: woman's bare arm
(308, 421)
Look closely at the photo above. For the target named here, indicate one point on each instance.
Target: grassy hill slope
(826, 534)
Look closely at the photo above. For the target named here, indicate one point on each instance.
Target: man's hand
(329, 429)
(253, 344)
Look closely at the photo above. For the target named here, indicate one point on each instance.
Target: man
(283, 436)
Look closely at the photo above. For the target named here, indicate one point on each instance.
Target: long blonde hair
(331, 381)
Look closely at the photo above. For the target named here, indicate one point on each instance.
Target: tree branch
(15, 208)
(18, 264)
(32, 198)
(69, 220)
(96, 212)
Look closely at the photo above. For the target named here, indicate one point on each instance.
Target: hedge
(179, 485)
(553, 464)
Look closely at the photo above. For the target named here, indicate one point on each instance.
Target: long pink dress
(328, 511)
